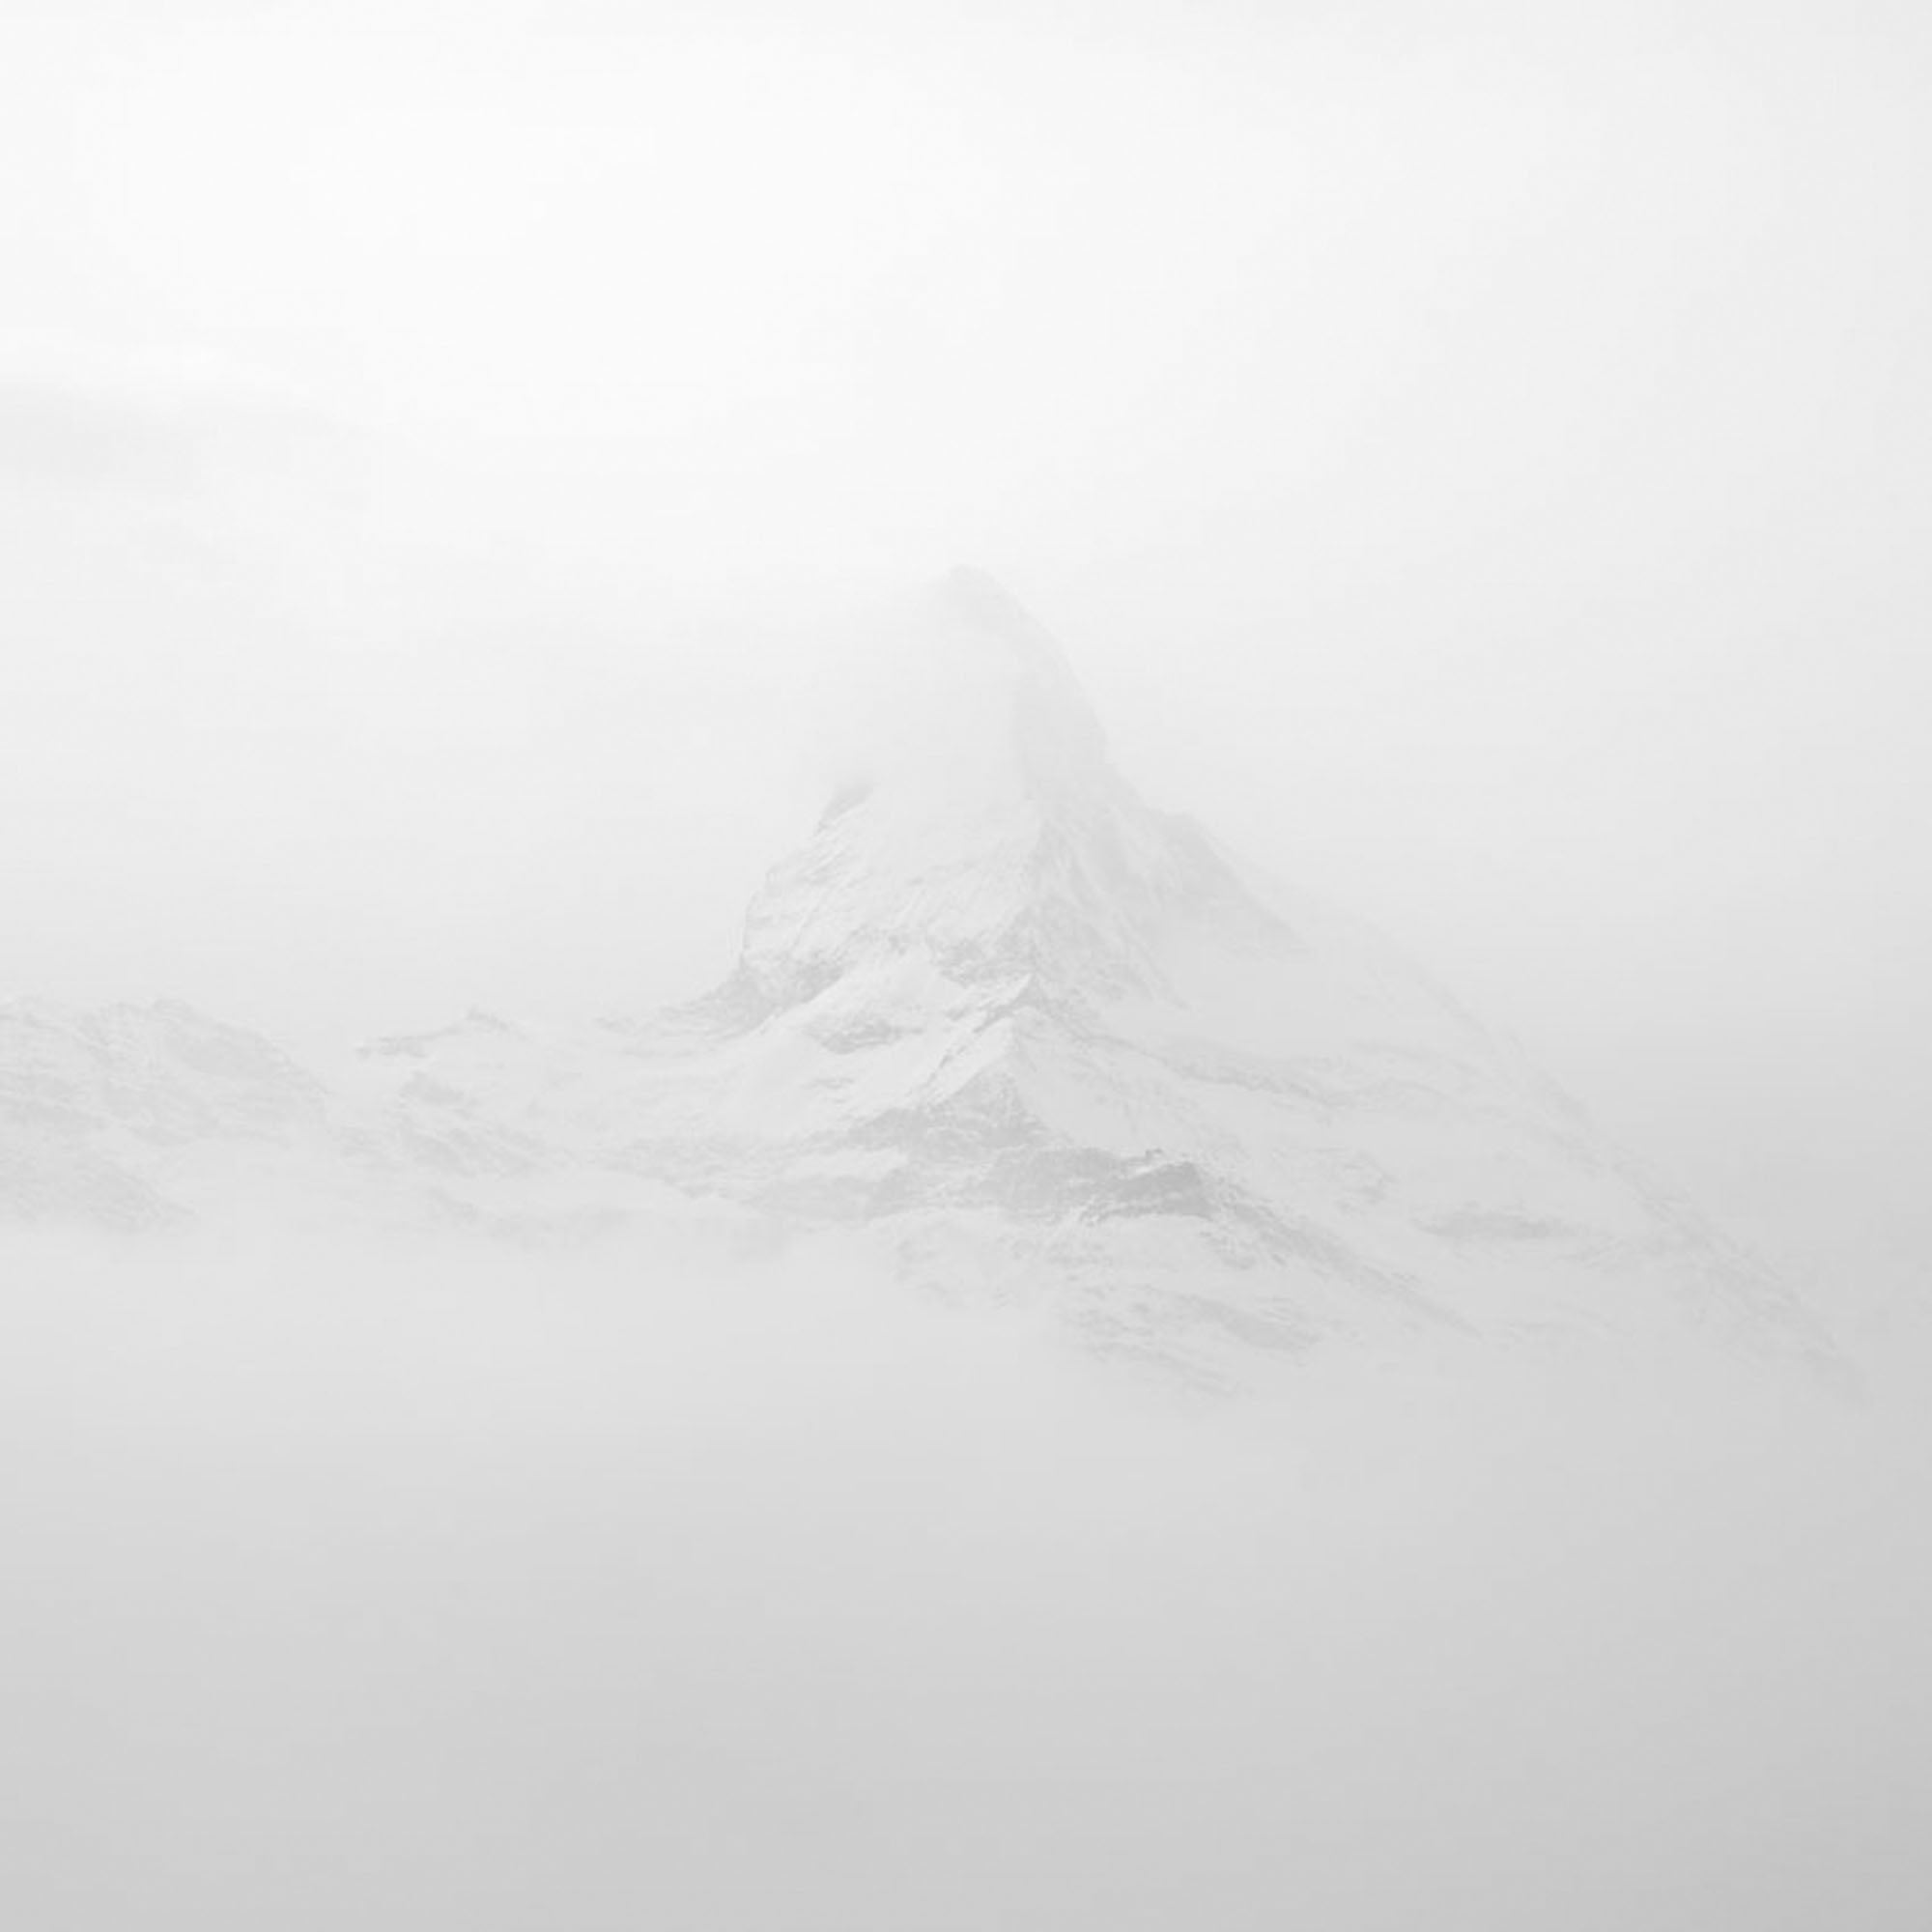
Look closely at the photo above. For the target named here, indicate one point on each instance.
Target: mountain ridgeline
(1008, 1025)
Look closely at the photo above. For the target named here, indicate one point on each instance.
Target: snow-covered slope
(118, 1117)
(1042, 1040)
(997, 1017)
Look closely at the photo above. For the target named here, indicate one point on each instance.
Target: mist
(456, 476)
(1476, 460)
(455, 1589)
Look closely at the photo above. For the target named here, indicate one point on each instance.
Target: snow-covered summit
(992, 840)
(1044, 1039)
(1003, 1019)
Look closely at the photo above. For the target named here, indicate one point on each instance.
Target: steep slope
(1043, 1041)
(997, 1017)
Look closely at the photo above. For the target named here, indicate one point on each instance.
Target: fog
(453, 463)
(1475, 456)
(457, 1589)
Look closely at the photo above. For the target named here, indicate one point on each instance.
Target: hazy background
(461, 1591)
(1476, 456)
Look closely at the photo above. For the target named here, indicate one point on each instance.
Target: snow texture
(1000, 1017)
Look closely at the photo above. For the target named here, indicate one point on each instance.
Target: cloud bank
(435, 1587)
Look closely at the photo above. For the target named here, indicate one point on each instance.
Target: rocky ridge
(1014, 1028)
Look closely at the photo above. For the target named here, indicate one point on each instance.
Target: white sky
(1477, 457)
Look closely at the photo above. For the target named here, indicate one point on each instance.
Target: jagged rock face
(1043, 1039)
(999, 1016)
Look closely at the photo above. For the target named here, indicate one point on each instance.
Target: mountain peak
(991, 836)
(980, 598)
(998, 677)
(971, 601)
(1032, 1035)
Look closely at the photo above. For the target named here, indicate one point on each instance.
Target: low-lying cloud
(441, 1587)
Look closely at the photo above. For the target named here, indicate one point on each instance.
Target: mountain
(1002, 1021)
(1044, 1041)
(110, 1115)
